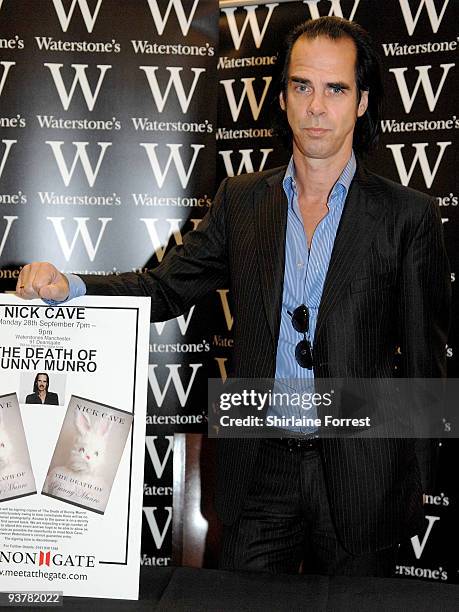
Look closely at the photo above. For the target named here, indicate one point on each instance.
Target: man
(320, 254)
(40, 394)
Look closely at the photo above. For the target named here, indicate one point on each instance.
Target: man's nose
(316, 104)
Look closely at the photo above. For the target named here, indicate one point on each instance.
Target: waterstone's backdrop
(118, 119)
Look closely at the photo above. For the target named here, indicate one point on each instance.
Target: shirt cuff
(77, 288)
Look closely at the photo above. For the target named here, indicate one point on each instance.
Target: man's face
(42, 382)
(321, 99)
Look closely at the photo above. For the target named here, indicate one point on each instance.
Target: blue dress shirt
(304, 278)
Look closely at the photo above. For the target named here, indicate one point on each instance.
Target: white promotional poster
(73, 396)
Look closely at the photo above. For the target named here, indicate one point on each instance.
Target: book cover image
(87, 454)
(16, 475)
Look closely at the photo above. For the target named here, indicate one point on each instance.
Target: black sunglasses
(300, 323)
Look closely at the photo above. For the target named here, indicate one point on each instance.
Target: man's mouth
(315, 131)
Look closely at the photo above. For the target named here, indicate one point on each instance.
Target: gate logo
(184, 21)
(159, 535)
(335, 8)
(174, 156)
(9, 222)
(434, 17)
(245, 164)
(44, 558)
(80, 155)
(250, 18)
(421, 157)
(6, 69)
(174, 380)
(81, 230)
(255, 106)
(174, 80)
(424, 80)
(66, 18)
(80, 78)
(418, 547)
(158, 465)
(8, 145)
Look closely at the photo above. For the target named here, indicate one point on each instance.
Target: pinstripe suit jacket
(387, 285)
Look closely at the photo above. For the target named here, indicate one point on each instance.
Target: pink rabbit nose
(88, 457)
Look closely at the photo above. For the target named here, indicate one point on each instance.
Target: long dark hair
(35, 384)
(367, 77)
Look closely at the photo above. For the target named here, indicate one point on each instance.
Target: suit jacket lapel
(359, 220)
(270, 214)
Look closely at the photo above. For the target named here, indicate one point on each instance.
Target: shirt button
(300, 264)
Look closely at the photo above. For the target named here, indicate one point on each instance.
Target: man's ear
(363, 104)
(282, 101)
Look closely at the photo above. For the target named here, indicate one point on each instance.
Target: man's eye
(301, 88)
(336, 89)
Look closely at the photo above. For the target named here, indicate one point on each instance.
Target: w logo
(418, 547)
(221, 364)
(184, 21)
(223, 293)
(158, 535)
(173, 381)
(65, 18)
(79, 78)
(81, 230)
(419, 156)
(335, 8)
(158, 465)
(255, 106)
(160, 240)
(9, 222)
(174, 80)
(80, 155)
(424, 80)
(175, 157)
(245, 164)
(6, 69)
(251, 18)
(434, 17)
(183, 323)
(8, 144)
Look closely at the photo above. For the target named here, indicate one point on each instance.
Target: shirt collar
(342, 184)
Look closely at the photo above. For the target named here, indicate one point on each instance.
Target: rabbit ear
(82, 422)
(104, 427)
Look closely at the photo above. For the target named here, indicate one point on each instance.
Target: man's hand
(42, 280)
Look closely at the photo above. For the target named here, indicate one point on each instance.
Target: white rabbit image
(79, 479)
(88, 450)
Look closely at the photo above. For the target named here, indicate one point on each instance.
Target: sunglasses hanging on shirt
(300, 323)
